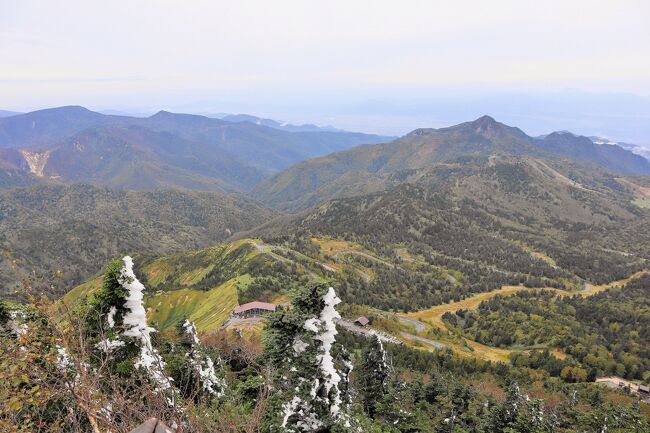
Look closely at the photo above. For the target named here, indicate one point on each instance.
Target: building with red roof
(253, 309)
(362, 321)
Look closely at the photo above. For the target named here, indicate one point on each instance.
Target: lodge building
(253, 309)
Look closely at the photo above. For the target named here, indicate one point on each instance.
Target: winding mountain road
(433, 316)
(367, 332)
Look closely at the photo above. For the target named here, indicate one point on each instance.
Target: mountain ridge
(139, 158)
(8, 113)
(248, 151)
(375, 167)
(286, 126)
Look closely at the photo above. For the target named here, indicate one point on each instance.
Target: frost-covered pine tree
(118, 330)
(532, 418)
(203, 379)
(310, 369)
(374, 374)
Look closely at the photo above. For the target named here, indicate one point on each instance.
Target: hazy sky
(353, 63)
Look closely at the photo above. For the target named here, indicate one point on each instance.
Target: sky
(379, 66)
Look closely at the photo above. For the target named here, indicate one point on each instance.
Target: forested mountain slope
(134, 157)
(496, 221)
(605, 332)
(378, 167)
(62, 235)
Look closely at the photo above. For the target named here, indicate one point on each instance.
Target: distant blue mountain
(74, 144)
(644, 151)
(285, 126)
(6, 113)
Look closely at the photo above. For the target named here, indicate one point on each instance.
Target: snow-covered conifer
(310, 370)
(118, 323)
(203, 368)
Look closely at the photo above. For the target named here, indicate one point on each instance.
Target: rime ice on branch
(312, 380)
(201, 364)
(135, 324)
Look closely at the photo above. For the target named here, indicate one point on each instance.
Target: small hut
(362, 321)
(253, 309)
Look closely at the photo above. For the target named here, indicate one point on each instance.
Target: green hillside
(59, 236)
(506, 222)
(206, 285)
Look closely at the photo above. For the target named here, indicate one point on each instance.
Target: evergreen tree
(374, 374)
(118, 329)
(434, 388)
(396, 409)
(531, 418)
(302, 350)
(109, 299)
(504, 415)
(203, 380)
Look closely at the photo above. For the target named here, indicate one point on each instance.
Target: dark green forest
(605, 333)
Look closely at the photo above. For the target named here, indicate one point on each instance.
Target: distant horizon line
(221, 115)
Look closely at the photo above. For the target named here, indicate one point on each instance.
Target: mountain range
(474, 245)
(480, 199)
(285, 126)
(73, 144)
(634, 148)
(372, 168)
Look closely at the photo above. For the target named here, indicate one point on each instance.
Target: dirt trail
(364, 276)
(551, 172)
(434, 314)
(270, 249)
(591, 289)
(367, 256)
